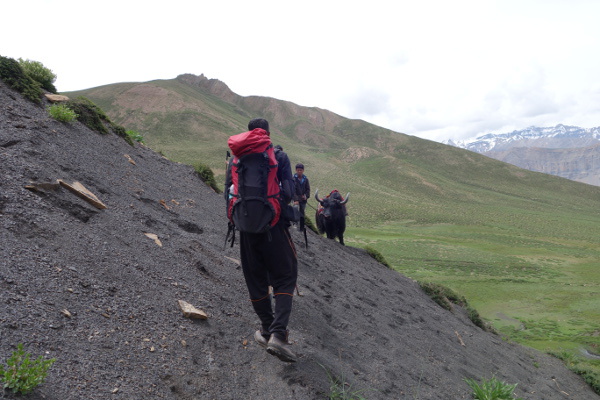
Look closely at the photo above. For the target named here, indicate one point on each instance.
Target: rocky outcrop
(213, 86)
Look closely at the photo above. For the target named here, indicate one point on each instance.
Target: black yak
(331, 215)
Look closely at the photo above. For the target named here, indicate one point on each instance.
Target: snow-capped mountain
(567, 151)
(558, 137)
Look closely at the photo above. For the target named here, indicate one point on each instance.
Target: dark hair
(258, 123)
(299, 165)
(278, 147)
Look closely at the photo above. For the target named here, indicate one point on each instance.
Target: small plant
(135, 136)
(62, 113)
(492, 389)
(377, 256)
(339, 389)
(36, 71)
(207, 175)
(23, 375)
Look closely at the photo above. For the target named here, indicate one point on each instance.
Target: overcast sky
(435, 69)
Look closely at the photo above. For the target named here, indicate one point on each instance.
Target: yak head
(331, 202)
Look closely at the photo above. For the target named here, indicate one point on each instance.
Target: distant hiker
(267, 252)
(301, 192)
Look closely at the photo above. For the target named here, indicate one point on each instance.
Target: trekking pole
(305, 237)
(230, 231)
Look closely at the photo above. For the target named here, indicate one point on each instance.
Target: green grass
(377, 256)
(492, 389)
(135, 136)
(339, 389)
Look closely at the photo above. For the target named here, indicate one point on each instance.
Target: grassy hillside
(521, 246)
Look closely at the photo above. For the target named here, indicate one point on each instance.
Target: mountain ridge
(559, 136)
(567, 151)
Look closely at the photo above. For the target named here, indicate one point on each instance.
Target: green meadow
(542, 292)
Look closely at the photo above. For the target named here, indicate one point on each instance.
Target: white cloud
(432, 68)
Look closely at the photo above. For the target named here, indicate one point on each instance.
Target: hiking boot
(281, 349)
(260, 339)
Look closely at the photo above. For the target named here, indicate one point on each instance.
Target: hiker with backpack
(258, 187)
(301, 192)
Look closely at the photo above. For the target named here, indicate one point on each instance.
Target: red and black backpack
(253, 205)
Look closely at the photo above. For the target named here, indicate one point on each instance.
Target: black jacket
(301, 187)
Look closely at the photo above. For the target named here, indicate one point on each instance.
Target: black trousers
(270, 259)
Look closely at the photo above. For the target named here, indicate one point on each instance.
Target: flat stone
(56, 98)
(190, 311)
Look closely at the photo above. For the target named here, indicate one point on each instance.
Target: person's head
(259, 123)
(299, 169)
(278, 147)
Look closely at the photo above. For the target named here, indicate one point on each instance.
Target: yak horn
(346, 199)
(317, 197)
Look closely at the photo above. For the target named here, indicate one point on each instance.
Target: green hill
(521, 246)
(392, 176)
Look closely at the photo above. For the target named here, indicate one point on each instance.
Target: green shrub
(14, 76)
(61, 112)
(587, 369)
(89, 114)
(120, 131)
(442, 295)
(207, 175)
(135, 136)
(492, 389)
(445, 297)
(590, 376)
(94, 118)
(565, 356)
(21, 375)
(476, 318)
(36, 71)
(377, 256)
